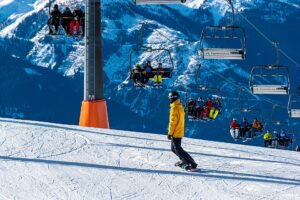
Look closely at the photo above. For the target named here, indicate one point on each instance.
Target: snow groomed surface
(51, 161)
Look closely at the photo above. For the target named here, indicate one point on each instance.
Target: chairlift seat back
(270, 89)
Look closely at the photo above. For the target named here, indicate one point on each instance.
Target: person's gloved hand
(169, 137)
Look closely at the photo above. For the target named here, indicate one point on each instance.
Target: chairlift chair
(294, 106)
(266, 71)
(62, 4)
(277, 125)
(204, 92)
(229, 33)
(167, 71)
(247, 112)
(145, 2)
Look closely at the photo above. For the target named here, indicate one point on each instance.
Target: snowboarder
(176, 132)
(268, 138)
(54, 20)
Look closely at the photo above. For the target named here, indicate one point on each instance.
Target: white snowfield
(51, 161)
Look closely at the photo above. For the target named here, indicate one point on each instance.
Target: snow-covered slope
(53, 161)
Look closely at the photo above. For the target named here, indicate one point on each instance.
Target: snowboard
(182, 166)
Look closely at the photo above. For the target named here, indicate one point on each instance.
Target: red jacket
(209, 104)
(234, 124)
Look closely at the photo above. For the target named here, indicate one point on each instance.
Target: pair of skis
(142, 85)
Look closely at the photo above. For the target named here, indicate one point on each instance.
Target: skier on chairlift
(268, 138)
(67, 17)
(147, 72)
(215, 110)
(208, 106)
(159, 71)
(54, 20)
(78, 21)
(256, 127)
(199, 109)
(137, 74)
(283, 138)
(234, 129)
(191, 107)
(245, 126)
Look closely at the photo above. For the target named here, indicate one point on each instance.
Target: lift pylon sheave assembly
(294, 105)
(145, 2)
(94, 108)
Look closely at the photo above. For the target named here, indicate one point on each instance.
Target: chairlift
(276, 124)
(248, 113)
(157, 55)
(72, 4)
(145, 2)
(276, 127)
(276, 72)
(294, 106)
(196, 113)
(236, 37)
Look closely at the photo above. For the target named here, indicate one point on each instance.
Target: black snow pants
(182, 154)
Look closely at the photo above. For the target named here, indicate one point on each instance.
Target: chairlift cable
(239, 87)
(136, 14)
(270, 41)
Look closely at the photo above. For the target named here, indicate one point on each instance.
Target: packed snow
(52, 161)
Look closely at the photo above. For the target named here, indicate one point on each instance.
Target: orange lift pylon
(94, 108)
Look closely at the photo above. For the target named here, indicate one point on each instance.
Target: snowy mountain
(53, 161)
(32, 55)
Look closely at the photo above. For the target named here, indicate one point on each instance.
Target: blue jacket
(200, 104)
(245, 124)
(282, 135)
(217, 105)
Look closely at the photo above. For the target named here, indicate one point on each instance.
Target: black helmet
(173, 96)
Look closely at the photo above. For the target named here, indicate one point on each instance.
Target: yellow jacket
(176, 123)
(267, 136)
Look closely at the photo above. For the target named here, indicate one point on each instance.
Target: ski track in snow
(50, 161)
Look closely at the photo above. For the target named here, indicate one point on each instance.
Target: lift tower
(93, 108)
